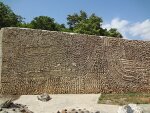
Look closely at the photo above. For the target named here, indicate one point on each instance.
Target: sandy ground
(65, 101)
(69, 101)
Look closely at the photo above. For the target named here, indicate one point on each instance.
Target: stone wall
(37, 61)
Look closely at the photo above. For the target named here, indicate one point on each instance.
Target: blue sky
(130, 17)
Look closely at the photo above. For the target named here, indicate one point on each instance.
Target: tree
(114, 33)
(7, 17)
(75, 19)
(60, 27)
(45, 23)
(25, 25)
(92, 25)
(72, 21)
(81, 23)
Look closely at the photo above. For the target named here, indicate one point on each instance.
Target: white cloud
(141, 29)
(121, 25)
(138, 29)
(116, 23)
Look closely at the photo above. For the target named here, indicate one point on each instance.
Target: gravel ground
(65, 101)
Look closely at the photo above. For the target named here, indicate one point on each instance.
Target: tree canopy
(43, 22)
(81, 23)
(92, 25)
(7, 17)
(114, 33)
(78, 23)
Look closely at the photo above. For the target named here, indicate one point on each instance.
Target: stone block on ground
(130, 108)
(44, 97)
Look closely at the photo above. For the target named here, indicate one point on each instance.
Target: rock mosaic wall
(37, 61)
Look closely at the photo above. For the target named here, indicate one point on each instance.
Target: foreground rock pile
(130, 108)
(9, 107)
(78, 111)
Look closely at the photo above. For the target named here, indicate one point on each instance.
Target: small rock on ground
(44, 97)
(130, 108)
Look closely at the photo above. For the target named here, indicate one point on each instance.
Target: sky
(130, 17)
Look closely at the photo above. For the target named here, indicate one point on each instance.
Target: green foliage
(60, 27)
(125, 98)
(81, 23)
(75, 19)
(44, 22)
(7, 17)
(25, 25)
(114, 33)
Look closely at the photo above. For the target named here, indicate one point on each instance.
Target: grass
(126, 98)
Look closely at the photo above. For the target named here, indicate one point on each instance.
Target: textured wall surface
(36, 61)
